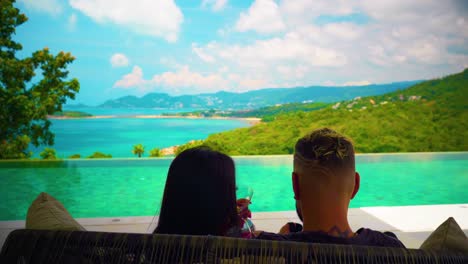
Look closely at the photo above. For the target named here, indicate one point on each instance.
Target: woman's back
(200, 195)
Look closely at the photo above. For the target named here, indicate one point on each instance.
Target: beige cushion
(447, 237)
(47, 213)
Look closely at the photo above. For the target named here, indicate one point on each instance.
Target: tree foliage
(191, 144)
(99, 155)
(75, 156)
(27, 99)
(138, 150)
(154, 153)
(48, 154)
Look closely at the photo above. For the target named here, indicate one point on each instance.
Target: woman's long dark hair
(200, 195)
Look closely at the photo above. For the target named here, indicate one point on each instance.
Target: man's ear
(357, 184)
(295, 183)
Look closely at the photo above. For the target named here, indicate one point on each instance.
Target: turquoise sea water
(117, 136)
(133, 187)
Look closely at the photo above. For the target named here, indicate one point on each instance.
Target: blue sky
(185, 47)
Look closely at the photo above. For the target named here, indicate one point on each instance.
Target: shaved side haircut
(325, 147)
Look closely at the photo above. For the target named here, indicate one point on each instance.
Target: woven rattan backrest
(40, 246)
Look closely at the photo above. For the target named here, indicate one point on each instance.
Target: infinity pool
(134, 187)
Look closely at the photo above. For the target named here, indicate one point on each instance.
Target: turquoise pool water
(133, 187)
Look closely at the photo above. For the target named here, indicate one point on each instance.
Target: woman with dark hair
(200, 195)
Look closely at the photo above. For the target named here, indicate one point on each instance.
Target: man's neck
(335, 230)
(328, 221)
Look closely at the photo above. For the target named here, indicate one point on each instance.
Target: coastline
(168, 151)
(251, 120)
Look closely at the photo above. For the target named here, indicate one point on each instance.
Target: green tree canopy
(191, 144)
(155, 153)
(75, 156)
(27, 99)
(48, 154)
(99, 155)
(138, 150)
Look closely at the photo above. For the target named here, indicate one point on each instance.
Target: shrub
(138, 150)
(155, 153)
(48, 154)
(99, 155)
(191, 144)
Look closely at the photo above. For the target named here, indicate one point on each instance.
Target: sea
(117, 136)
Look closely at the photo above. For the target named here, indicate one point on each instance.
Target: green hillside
(269, 113)
(429, 116)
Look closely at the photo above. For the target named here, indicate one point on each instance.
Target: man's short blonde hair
(327, 148)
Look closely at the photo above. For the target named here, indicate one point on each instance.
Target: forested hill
(429, 116)
(254, 99)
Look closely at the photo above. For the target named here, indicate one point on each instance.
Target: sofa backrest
(42, 246)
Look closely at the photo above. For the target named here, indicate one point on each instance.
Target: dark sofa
(42, 246)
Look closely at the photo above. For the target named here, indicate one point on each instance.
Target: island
(69, 114)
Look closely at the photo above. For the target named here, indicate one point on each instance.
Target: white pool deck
(412, 224)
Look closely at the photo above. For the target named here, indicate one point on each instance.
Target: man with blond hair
(324, 182)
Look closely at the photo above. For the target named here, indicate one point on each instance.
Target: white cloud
(52, 7)
(263, 16)
(71, 24)
(293, 72)
(181, 81)
(300, 12)
(202, 55)
(293, 47)
(223, 69)
(170, 62)
(252, 84)
(394, 39)
(345, 31)
(400, 41)
(317, 7)
(426, 51)
(155, 18)
(406, 39)
(401, 10)
(329, 83)
(216, 5)
(186, 81)
(119, 60)
(132, 80)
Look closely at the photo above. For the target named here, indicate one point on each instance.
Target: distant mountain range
(255, 99)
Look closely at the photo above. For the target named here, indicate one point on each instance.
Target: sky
(188, 47)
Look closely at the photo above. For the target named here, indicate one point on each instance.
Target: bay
(117, 136)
